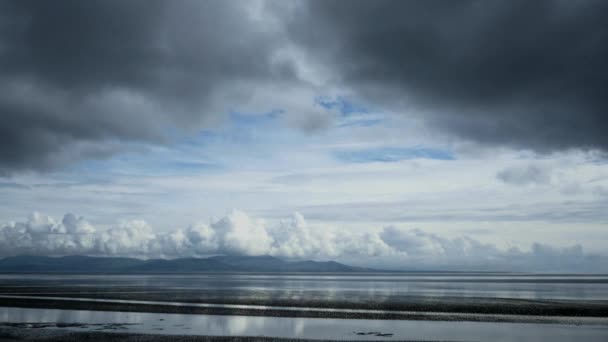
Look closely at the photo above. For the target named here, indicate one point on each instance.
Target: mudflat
(268, 303)
(12, 334)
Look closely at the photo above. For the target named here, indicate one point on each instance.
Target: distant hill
(86, 264)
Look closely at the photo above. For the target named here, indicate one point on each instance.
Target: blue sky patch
(344, 106)
(247, 119)
(361, 123)
(392, 154)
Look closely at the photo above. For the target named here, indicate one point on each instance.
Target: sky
(465, 135)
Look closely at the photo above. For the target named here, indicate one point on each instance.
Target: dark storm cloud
(528, 74)
(77, 75)
(525, 174)
(84, 79)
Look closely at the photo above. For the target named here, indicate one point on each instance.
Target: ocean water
(376, 286)
(185, 289)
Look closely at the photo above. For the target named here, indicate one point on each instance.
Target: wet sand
(310, 312)
(413, 304)
(11, 334)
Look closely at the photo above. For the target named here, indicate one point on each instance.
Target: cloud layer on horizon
(239, 234)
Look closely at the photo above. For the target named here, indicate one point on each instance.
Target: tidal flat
(243, 307)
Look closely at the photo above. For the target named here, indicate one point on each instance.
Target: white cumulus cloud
(239, 234)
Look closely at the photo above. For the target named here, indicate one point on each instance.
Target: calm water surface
(368, 287)
(521, 286)
(312, 328)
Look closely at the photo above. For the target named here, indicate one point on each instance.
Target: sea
(533, 289)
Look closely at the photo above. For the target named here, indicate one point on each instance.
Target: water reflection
(313, 328)
(377, 287)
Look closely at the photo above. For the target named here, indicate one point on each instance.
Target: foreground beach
(7, 335)
(19, 334)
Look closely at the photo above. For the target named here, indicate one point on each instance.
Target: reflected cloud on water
(313, 328)
(376, 287)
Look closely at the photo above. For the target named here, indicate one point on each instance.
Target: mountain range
(88, 264)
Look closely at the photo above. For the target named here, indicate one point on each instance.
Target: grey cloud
(527, 74)
(542, 256)
(78, 76)
(425, 210)
(525, 174)
(239, 234)
(82, 80)
(13, 185)
(422, 245)
(430, 251)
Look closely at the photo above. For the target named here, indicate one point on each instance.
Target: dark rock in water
(377, 333)
(385, 335)
(68, 325)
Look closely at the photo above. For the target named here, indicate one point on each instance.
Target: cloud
(239, 234)
(128, 238)
(43, 235)
(77, 77)
(525, 174)
(89, 80)
(391, 154)
(518, 73)
(12, 185)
